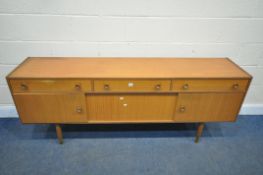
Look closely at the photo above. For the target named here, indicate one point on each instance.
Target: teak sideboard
(128, 90)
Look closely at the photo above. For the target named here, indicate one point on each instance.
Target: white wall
(169, 28)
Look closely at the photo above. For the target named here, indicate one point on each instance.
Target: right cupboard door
(208, 107)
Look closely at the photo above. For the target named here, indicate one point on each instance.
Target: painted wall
(168, 28)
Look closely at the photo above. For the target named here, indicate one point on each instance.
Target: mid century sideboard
(127, 90)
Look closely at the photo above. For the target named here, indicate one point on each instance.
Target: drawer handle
(106, 87)
(235, 86)
(182, 108)
(185, 86)
(79, 109)
(158, 87)
(78, 87)
(23, 87)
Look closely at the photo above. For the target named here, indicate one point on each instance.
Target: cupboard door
(208, 107)
(130, 108)
(51, 107)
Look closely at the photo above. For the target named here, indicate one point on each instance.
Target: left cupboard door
(51, 107)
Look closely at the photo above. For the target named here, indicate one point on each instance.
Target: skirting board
(9, 111)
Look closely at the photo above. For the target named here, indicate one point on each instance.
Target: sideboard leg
(199, 131)
(59, 133)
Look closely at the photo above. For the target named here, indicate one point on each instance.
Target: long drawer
(50, 85)
(195, 85)
(131, 85)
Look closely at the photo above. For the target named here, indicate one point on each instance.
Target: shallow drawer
(209, 85)
(29, 85)
(131, 85)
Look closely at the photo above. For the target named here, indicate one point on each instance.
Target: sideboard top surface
(65, 67)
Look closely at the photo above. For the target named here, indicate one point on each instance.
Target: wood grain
(208, 107)
(51, 107)
(130, 107)
(128, 68)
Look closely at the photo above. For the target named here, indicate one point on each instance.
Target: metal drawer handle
(106, 87)
(185, 86)
(23, 87)
(158, 87)
(235, 86)
(78, 109)
(182, 108)
(78, 87)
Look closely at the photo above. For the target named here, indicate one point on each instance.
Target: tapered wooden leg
(59, 133)
(199, 131)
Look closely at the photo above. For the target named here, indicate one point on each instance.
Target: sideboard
(56, 90)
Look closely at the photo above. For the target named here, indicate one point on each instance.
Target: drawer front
(51, 107)
(130, 107)
(29, 85)
(191, 85)
(131, 85)
(208, 107)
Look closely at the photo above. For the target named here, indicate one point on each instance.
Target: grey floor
(225, 148)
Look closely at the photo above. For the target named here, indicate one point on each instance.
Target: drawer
(182, 85)
(131, 85)
(31, 85)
